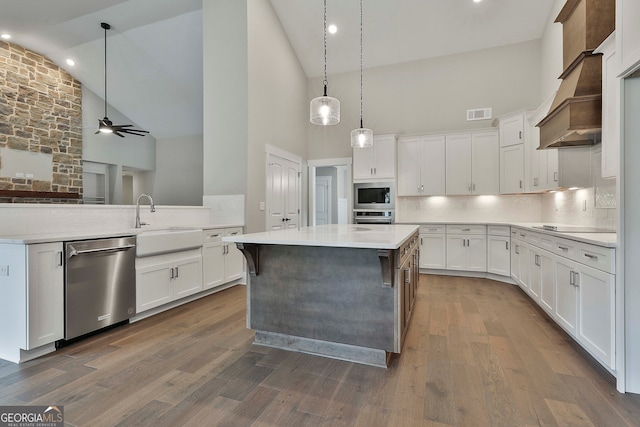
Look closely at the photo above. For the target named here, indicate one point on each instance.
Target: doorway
(283, 189)
(338, 199)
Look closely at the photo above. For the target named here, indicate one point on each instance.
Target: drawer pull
(592, 257)
(523, 235)
(433, 229)
(564, 248)
(466, 229)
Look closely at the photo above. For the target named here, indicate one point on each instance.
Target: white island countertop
(370, 236)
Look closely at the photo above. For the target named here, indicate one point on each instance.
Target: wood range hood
(575, 116)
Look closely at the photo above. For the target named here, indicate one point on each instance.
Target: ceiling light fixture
(333, 29)
(71, 62)
(325, 110)
(6, 36)
(361, 137)
(105, 125)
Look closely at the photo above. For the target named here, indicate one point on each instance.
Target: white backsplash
(21, 219)
(225, 209)
(512, 208)
(578, 207)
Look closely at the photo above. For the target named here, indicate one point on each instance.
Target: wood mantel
(39, 194)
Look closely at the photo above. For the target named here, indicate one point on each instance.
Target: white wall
(430, 95)
(179, 172)
(551, 54)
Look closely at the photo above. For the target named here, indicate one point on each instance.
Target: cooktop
(574, 229)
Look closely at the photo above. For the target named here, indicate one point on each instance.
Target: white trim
(316, 163)
(341, 161)
(270, 149)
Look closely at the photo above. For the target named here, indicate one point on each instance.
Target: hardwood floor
(478, 353)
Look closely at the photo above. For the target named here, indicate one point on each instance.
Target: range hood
(575, 116)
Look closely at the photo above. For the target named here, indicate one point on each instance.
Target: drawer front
(432, 229)
(498, 230)
(232, 231)
(542, 240)
(466, 229)
(597, 257)
(519, 233)
(212, 235)
(566, 248)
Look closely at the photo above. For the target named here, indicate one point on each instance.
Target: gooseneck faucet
(152, 208)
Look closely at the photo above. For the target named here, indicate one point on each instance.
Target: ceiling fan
(105, 125)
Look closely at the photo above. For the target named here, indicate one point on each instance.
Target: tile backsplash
(580, 207)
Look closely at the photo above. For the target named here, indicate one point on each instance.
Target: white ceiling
(155, 46)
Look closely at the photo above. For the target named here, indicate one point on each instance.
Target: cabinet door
(499, 255)
(535, 274)
(521, 255)
(456, 252)
(512, 131)
(566, 313)
(458, 164)
(433, 253)
(476, 253)
(553, 169)
(363, 163)
(512, 169)
(409, 165)
(384, 161)
(45, 304)
(596, 308)
(610, 109)
(547, 281)
(515, 261)
(628, 16)
(187, 277)
(213, 265)
(485, 165)
(154, 286)
(233, 263)
(432, 161)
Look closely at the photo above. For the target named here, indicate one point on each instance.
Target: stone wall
(40, 111)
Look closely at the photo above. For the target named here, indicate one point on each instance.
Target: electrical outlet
(4, 270)
(19, 175)
(29, 176)
(262, 206)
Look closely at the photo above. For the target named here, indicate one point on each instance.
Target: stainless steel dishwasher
(100, 284)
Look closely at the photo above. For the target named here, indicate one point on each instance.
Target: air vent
(479, 114)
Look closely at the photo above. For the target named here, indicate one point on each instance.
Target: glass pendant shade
(325, 111)
(362, 138)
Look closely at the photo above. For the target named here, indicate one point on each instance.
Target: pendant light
(325, 110)
(361, 137)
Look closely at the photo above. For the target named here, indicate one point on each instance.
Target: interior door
(323, 200)
(283, 193)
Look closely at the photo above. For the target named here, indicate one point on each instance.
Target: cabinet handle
(506, 245)
(517, 249)
(520, 135)
(535, 182)
(576, 279)
(523, 235)
(520, 183)
(591, 257)
(421, 241)
(407, 277)
(474, 187)
(466, 229)
(176, 271)
(235, 232)
(421, 187)
(564, 248)
(418, 187)
(60, 258)
(469, 187)
(172, 276)
(555, 177)
(537, 260)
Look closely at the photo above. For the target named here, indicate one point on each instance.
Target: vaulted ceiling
(155, 46)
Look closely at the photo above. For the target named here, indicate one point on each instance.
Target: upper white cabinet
(610, 107)
(376, 163)
(512, 130)
(628, 34)
(512, 153)
(472, 163)
(421, 166)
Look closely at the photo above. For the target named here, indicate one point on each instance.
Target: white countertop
(372, 236)
(601, 239)
(66, 236)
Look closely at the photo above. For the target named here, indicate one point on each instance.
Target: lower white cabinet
(498, 250)
(45, 303)
(542, 278)
(165, 278)
(433, 247)
(520, 263)
(467, 252)
(222, 262)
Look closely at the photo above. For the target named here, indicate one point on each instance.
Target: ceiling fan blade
(118, 133)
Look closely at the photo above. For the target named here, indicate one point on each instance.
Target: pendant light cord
(361, 122)
(106, 27)
(325, 48)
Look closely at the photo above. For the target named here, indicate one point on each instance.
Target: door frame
(329, 180)
(313, 164)
(279, 152)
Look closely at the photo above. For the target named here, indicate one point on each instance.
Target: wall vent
(479, 114)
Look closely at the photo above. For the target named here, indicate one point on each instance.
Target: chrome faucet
(152, 209)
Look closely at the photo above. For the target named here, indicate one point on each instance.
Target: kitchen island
(340, 291)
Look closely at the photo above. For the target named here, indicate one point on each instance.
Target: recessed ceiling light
(477, 1)
(6, 36)
(332, 28)
(71, 62)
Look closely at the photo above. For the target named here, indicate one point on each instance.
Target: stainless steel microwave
(374, 195)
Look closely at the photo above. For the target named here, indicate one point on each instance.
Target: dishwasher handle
(73, 252)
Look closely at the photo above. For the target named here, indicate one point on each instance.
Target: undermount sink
(173, 239)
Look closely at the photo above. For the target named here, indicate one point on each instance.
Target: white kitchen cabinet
(45, 283)
(499, 255)
(168, 277)
(520, 258)
(472, 163)
(421, 166)
(566, 313)
(222, 262)
(512, 130)
(433, 247)
(467, 248)
(233, 258)
(512, 169)
(596, 306)
(610, 107)
(542, 278)
(376, 163)
(628, 34)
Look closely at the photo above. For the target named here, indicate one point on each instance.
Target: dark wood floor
(478, 353)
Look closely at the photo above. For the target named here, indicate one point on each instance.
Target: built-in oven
(366, 216)
(374, 195)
